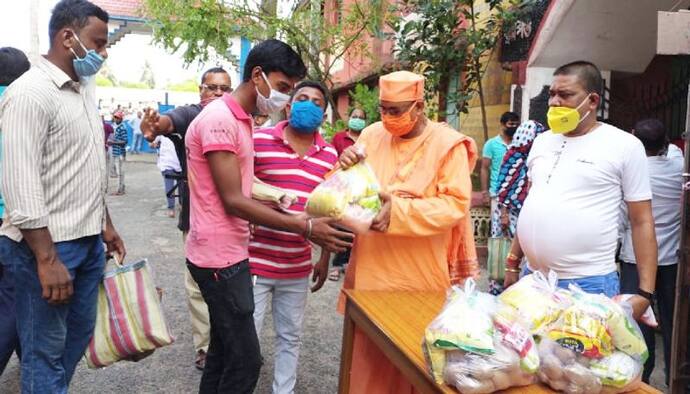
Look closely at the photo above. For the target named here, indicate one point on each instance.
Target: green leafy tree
(133, 85)
(103, 81)
(367, 99)
(321, 35)
(446, 39)
(189, 85)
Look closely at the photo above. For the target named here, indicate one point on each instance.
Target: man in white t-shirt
(137, 135)
(665, 162)
(580, 172)
(169, 166)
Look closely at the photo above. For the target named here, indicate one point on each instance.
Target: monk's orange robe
(429, 241)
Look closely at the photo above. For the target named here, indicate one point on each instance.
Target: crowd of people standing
(242, 255)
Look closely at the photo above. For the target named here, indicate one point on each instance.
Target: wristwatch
(649, 296)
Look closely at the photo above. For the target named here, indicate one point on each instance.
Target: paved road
(140, 217)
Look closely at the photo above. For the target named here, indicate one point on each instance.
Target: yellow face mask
(563, 120)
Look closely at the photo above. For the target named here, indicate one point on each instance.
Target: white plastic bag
(351, 196)
(465, 323)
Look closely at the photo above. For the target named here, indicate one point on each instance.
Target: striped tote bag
(130, 322)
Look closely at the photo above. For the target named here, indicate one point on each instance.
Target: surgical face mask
(563, 120)
(305, 116)
(89, 64)
(2, 90)
(356, 124)
(399, 125)
(275, 101)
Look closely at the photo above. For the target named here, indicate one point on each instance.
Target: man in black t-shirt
(173, 125)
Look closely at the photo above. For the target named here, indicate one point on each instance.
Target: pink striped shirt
(278, 254)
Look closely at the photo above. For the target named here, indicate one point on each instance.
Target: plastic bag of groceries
(536, 299)
(595, 325)
(514, 361)
(351, 196)
(565, 370)
(595, 346)
(473, 373)
(465, 323)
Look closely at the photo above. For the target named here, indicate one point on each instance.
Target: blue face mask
(2, 90)
(89, 64)
(305, 116)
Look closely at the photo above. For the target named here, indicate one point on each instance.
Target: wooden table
(395, 322)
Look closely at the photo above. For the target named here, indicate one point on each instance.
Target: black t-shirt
(181, 118)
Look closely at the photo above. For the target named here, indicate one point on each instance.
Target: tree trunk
(443, 84)
(334, 105)
(480, 91)
(478, 73)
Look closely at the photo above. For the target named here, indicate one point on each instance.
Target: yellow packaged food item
(617, 370)
(536, 300)
(626, 334)
(349, 195)
(582, 332)
(464, 323)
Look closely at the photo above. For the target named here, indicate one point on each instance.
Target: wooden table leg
(346, 350)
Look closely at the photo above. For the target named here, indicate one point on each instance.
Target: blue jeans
(608, 284)
(169, 183)
(54, 337)
(138, 141)
(9, 340)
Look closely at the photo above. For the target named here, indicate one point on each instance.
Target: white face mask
(275, 102)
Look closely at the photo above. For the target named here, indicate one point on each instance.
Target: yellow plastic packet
(536, 300)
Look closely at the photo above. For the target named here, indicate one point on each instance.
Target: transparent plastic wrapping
(565, 370)
(536, 299)
(465, 323)
(647, 318)
(595, 325)
(486, 373)
(350, 195)
(280, 198)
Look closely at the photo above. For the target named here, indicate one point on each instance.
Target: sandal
(200, 361)
(334, 275)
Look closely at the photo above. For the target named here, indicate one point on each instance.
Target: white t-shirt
(666, 178)
(570, 219)
(167, 157)
(135, 122)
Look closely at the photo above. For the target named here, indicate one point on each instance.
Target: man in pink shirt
(220, 160)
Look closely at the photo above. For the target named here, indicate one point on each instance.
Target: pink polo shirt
(216, 239)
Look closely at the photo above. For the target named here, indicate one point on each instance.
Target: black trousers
(665, 300)
(233, 360)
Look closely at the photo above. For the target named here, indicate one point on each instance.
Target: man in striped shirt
(119, 144)
(294, 157)
(54, 182)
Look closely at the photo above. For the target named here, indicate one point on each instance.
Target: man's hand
(486, 198)
(328, 237)
(56, 281)
(351, 156)
(383, 219)
(510, 278)
(149, 123)
(320, 272)
(639, 305)
(113, 242)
